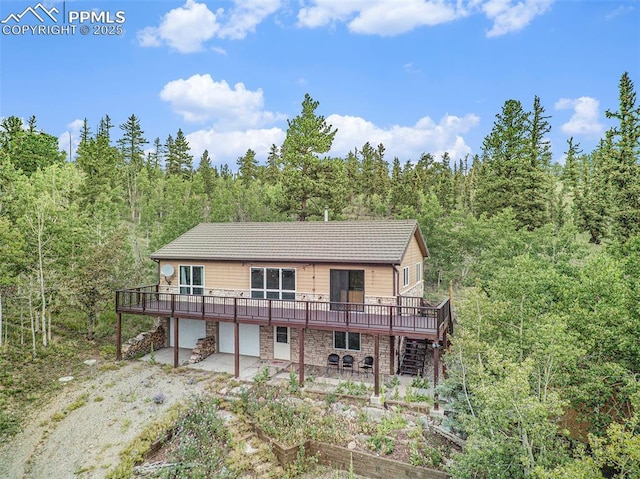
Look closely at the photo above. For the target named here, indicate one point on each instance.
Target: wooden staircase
(413, 357)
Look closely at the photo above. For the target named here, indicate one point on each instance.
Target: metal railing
(410, 314)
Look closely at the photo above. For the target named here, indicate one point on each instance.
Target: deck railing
(409, 315)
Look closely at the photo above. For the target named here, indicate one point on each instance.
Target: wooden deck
(411, 318)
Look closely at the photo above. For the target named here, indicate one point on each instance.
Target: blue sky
(416, 75)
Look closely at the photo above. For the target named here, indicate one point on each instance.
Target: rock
(65, 379)
(352, 446)
(374, 413)
(91, 362)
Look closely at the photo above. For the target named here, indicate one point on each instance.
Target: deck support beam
(301, 357)
(436, 372)
(236, 348)
(392, 354)
(376, 366)
(176, 343)
(119, 337)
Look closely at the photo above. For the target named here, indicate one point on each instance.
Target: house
(296, 291)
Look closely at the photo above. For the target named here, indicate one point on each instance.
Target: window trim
(405, 276)
(346, 341)
(191, 286)
(418, 272)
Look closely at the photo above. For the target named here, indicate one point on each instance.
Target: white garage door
(249, 339)
(189, 331)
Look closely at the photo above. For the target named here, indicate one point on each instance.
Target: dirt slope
(81, 432)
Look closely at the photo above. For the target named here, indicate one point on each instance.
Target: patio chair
(333, 361)
(347, 362)
(366, 364)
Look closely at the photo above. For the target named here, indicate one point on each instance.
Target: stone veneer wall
(266, 342)
(300, 296)
(205, 347)
(417, 291)
(144, 343)
(319, 344)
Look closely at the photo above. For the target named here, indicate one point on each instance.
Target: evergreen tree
(623, 162)
(305, 174)
(514, 169)
(179, 160)
(248, 167)
(104, 128)
(132, 153)
(591, 195)
(207, 173)
(28, 149)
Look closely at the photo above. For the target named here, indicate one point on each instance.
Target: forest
(543, 370)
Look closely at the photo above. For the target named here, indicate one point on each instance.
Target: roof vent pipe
(326, 214)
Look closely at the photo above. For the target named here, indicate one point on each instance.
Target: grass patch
(135, 451)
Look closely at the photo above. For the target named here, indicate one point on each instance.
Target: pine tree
(132, 153)
(514, 172)
(179, 160)
(623, 162)
(104, 128)
(304, 174)
(272, 170)
(28, 149)
(248, 167)
(208, 174)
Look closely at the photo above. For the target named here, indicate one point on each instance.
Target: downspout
(157, 275)
(396, 279)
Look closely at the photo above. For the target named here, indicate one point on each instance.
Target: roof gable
(373, 242)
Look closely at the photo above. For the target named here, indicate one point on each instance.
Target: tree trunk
(1, 323)
(33, 325)
(41, 284)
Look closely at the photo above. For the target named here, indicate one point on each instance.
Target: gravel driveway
(81, 432)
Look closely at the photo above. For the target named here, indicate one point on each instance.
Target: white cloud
(69, 140)
(508, 17)
(244, 17)
(584, 120)
(621, 10)
(201, 98)
(186, 28)
(379, 17)
(386, 18)
(405, 142)
(228, 146)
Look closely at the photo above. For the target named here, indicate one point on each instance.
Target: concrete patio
(218, 362)
(321, 378)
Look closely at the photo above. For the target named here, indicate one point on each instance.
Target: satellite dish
(167, 270)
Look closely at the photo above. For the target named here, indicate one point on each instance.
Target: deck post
(301, 356)
(436, 372)
(176, 342)
(376, 366)
(119, 337)
(444, 345)
(392, 354)
(236, 349)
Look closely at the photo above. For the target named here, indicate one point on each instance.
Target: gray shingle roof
(373, 242)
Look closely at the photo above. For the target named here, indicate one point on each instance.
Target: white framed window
(405, 276)
(418, 272)
(192, 280)
(273, 283)
(347, 341)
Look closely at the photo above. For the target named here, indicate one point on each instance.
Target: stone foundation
(205, 347)
(144, 343)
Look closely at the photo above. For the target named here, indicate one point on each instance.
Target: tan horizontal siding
(310, 278)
